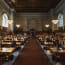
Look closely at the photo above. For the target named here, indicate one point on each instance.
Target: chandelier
(17, 25)
(47, 25)
(54, 21)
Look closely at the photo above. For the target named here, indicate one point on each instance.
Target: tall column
(38, 25)
(12, 20)
(53, 16)
(25, 24)
(64, 18)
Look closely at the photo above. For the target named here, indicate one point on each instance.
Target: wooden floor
(32, 55)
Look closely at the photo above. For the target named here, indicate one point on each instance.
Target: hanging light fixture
(47, 25)
(17, 25)
(54, 21)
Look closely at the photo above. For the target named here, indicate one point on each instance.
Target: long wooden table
(6, 50)
(9, 44)
(5, 53)
(18, 43)
(49, 44)
(55, 50)
(12, 40)
(58, 54)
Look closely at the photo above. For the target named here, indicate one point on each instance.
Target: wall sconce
(47, 25)
(17, 25)
(54, 21)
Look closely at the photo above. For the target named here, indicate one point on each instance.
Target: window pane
(5, 20)
(60, 20)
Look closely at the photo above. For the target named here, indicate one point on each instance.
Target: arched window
(5, 20)
(60, 20)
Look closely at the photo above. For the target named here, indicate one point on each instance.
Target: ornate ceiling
(32, 5)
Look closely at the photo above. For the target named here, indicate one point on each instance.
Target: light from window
(60, 20)
(5, 20)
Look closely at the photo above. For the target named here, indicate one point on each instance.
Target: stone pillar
(53, 16)
(25, 24)
(38, 25)
(64, 19)
(11, 23)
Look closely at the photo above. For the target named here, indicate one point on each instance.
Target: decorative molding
(60, 7)
(32, 14)
(5, 4)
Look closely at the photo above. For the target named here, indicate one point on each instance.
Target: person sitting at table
(61, 44)
(48, 40)
(56, 42)
(13, 44)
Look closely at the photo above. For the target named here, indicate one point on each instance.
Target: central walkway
(32, 55)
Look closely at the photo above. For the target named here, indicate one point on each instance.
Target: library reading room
(32, 32)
